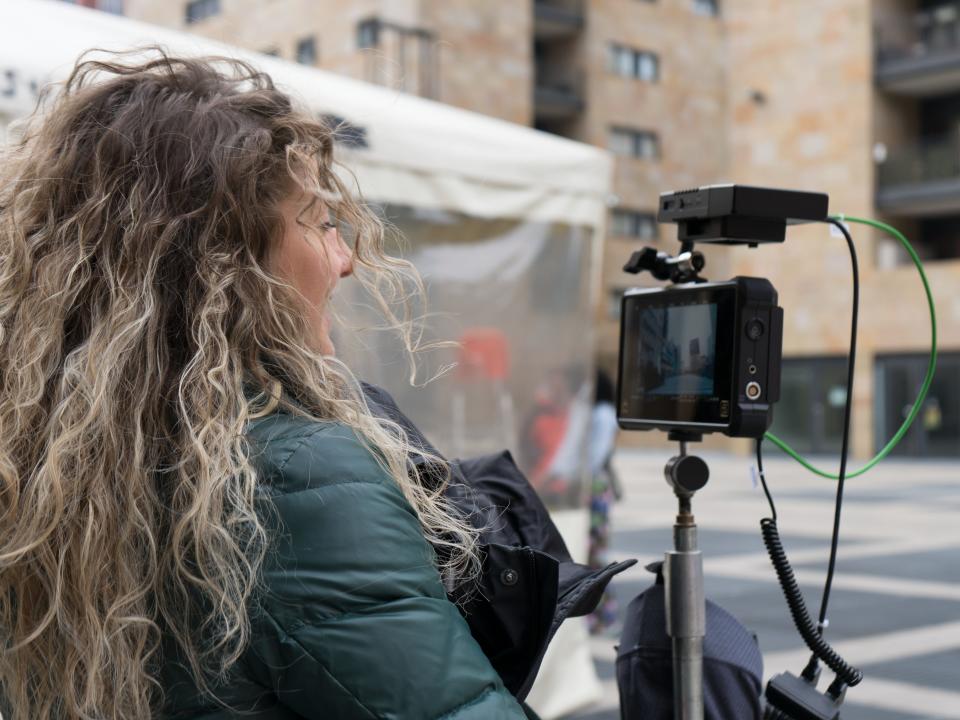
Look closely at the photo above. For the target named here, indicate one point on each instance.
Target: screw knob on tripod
(687, 473)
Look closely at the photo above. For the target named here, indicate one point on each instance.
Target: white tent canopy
(419, 152)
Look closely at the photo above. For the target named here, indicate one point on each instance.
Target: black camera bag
(732, 664)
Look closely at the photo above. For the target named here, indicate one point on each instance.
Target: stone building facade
(855, 98)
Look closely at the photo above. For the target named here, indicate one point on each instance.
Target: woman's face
(312, 257)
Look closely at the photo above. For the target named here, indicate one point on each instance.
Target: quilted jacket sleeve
(354, 622)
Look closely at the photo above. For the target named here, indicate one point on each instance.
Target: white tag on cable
(835, 231)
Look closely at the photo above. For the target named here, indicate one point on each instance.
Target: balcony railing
(558, 95)
(929, 160)
(919, 53)
(928, 32)
(557, 18)
(922, 178)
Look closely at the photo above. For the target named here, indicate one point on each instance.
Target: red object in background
(87, 3)
(483, 355)
(547, 433)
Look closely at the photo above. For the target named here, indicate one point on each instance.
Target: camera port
(752, 369)
(753, 390)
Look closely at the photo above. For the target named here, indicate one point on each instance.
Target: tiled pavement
(895, 606)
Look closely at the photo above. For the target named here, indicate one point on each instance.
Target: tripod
(683, 582)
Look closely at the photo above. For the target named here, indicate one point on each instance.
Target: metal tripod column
(683, 581)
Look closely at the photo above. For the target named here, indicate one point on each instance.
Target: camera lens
(755, 329)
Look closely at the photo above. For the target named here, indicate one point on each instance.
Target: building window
(707, 7)
(272, 52)
(813, 391)
(198, 10)
(634, 143)
(633, 224)
(639, 64)
(307, 51)
(368, 33)
(937, 427)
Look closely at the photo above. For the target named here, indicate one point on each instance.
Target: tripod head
(686, 473)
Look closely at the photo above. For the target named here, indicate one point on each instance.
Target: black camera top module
(701, 358)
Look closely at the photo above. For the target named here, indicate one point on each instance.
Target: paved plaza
(895, 607)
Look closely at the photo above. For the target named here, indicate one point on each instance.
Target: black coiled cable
(798, 609)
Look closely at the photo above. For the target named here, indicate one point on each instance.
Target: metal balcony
(558, 96)
(922, 179)
(557, 18)
(919, 54)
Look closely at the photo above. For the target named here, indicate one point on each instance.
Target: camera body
(700, 358)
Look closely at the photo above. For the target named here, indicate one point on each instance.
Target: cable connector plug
(811, 673)
(797, 699)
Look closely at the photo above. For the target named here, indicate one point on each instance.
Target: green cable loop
(931, 366)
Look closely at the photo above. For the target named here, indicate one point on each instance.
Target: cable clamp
(821, 626)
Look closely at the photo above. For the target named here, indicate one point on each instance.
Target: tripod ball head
(687, 474)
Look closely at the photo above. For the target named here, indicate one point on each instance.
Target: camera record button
(755, 329)
(753, 390)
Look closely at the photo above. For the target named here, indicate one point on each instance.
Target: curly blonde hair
(136, 210)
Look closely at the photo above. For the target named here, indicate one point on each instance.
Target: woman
(199, 514)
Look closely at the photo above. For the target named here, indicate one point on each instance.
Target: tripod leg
(686, 620)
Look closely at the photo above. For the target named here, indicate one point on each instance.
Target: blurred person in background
(200, 517)
(604, 490)
(554, 436)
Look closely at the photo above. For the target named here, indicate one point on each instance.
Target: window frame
(644, 144)
(311, 41)
(634, 63)
(631, 223)
(706, 8)
(368, 33)
(199, 10)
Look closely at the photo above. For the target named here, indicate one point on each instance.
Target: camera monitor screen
(678, 350)
(675, 358)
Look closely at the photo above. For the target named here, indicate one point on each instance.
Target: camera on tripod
(702, 357)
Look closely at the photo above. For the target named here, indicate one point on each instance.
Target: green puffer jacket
(354, 621)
